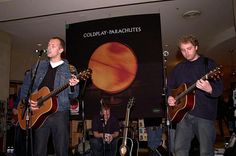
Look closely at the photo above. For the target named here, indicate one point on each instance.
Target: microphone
(102, 117)
(104, 123)
(101, 102)
(41, 51)
(165, 53)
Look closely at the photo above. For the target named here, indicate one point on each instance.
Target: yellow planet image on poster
(114, 67)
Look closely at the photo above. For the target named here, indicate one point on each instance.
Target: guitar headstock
(130, 103)
(84, 75)
(214, 74)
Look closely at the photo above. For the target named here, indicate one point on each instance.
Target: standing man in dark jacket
(201, 120)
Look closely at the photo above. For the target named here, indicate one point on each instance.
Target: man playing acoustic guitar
(51, 74)
(201, 99)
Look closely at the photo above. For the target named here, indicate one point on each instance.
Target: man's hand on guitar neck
(73, 80)
(200, 84)
(204, 85)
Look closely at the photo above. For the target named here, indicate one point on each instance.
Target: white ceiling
(33, 21)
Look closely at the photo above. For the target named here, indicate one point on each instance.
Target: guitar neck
(53, 93)
(182, 94)
(190, 89)
(125, 133)
(81, 76)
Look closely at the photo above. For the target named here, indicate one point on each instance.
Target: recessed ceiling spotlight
(191, 14)
(4, 1)
(39, 44)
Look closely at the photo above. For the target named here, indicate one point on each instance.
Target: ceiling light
(191, 14)
(4, 1)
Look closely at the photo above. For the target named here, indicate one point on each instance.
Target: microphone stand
(27, 110)
(103, 137)
(165, 54)
(102, 119)
(81, 100)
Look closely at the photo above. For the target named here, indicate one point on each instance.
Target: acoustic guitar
(185, 97)
(125, 145)
(47, 103)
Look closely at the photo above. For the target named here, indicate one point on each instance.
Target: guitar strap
(206, 69)
(206, 65)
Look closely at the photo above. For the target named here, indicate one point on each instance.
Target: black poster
(125, 55)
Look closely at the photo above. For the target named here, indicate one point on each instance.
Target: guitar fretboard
(51, 94)
(193, 86)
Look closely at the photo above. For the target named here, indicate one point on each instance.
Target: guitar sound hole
(40, 103)
(178, 102)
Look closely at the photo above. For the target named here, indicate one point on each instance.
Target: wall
(5, 54)
(21, 60)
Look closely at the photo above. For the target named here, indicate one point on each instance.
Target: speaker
(230, 149)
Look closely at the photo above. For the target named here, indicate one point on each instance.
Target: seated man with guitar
(49, 100)
(105, 129)
(192, 98)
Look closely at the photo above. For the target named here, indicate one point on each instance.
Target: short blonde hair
(188, 39)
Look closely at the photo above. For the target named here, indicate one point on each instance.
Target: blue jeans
(56, 124)
(97, 147)
(204, 131)
(154, 137)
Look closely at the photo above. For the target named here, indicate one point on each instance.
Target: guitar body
(48, 107)
(47, 103)
(183, 105)
(161, 151)
(125, 145)
(132, 147)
